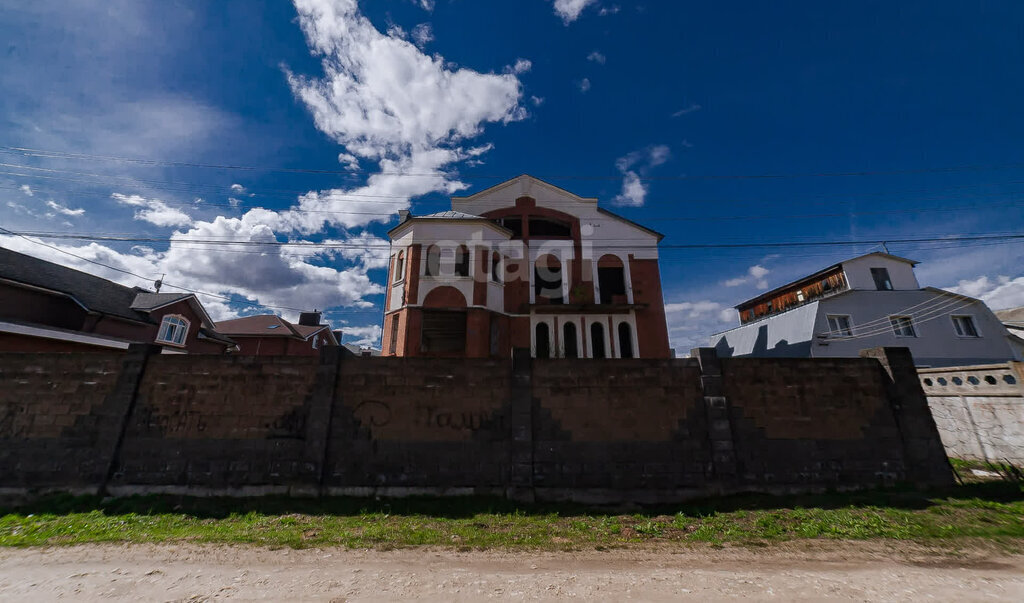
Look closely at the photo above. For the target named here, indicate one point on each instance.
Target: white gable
(505, 194)
(599, 230)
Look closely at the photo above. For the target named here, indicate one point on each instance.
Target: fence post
(318, 421)
(720, 436)
(924, 454)
(521, 417)
(120, 404)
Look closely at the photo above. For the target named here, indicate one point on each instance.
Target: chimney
(403, 215)
(310, 319)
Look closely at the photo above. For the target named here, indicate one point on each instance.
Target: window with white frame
(840, 325)
(399, 267)
(173, 330)
(902, 326)
(964, 326)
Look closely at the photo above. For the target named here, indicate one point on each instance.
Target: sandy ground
(808, 570)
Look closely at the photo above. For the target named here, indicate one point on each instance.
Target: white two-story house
(868, 301)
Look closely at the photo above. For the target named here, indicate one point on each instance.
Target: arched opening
(496, 267)
(393, 346)
(611, 279)
(569, 339)
(443, 330)
(399, 266)
(433, 261)
(625, 340)
(462, 261)
(547, 279)
(597, 340)
(542, 334)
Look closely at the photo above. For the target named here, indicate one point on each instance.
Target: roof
(94, 293)
(260, 324)
(1011, 315)
(523, 179)
(451, 215)
(604, 211)
(267, 325)
(152, 301)
(772, 293)
(97, 294)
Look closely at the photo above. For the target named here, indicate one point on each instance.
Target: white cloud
(537, 101)
(237, 188)
(569, 10)
(609, 10)
(687, 109)
(597, 57)
(367, 335)
(999, 293)
(427, 5)
(234, 201)
(386, 101)
(634, 191)
(289, 275)
(154, 211)
(57, 207)
(522, 66)
(350, 161)
(27, 190)
(423, 34)
(755, 274)
(584, 84)
(691, 323)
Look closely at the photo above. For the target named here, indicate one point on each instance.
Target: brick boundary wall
(596, 431)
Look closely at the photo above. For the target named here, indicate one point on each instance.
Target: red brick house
(524, 264)
(271, 335)
(46, 307)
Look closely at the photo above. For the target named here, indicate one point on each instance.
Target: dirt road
(808, 570)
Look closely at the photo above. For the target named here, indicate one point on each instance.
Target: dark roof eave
(789, 285)
(604, 211)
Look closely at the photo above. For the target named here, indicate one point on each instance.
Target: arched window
(547, 279)
(625, 340)
(399, 266)
(543, 344)
(496, 267)
(611, 279)
(393, 346)
(462, 261)
(569, 339)
(173, 330)
(433, 261)
(597, 340)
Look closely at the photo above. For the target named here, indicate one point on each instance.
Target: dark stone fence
(640, 431)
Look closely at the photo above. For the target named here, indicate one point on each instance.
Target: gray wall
(792, 334)
(977, 419)
(936, 344)
(786, 335)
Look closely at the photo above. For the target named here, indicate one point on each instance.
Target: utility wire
(165, 284)
(1018, 202)
(344, 245)
(52, 154)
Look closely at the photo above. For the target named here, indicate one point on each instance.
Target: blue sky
(714, 123)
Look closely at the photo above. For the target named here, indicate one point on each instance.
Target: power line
(165, 284)
(1017, 202)
(344, 245)
(51, 154)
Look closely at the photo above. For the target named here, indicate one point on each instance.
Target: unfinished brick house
(524, 264)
